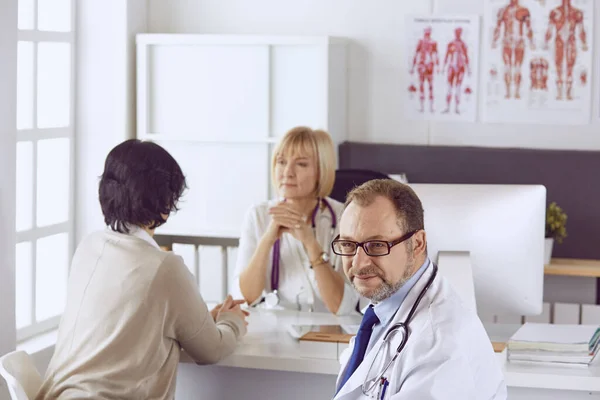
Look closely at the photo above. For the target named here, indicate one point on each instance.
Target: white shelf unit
(218, 103)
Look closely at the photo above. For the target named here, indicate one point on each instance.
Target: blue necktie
(360, 344)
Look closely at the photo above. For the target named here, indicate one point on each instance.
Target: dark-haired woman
(132, 307)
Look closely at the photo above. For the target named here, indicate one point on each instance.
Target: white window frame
(34, 135)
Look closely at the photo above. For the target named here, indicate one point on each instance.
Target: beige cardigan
(131, 307)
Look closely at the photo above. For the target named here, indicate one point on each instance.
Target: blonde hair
(304, 140)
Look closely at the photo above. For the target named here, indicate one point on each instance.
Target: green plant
(556, 223)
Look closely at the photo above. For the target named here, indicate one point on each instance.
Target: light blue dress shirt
(386, 309)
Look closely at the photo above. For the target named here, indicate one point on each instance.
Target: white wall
(8, 73)
(377, 53)
(105, 94)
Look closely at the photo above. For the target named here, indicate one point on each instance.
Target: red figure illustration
(565, 20)
(583, 77)
(516, 21)
(457, 60)
(539, 74)
(468, 92)
(412, 89)
(426, 57)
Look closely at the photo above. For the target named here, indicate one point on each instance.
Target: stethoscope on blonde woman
(272, 298)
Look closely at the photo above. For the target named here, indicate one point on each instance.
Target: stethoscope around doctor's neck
(272, 298)
(370, 384)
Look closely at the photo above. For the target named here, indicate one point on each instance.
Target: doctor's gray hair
(409, 209)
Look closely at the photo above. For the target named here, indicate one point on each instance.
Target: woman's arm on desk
(252, 277)
(189, 321)
(337, 293)
(253, 257)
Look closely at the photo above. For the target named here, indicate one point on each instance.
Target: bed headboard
(569, 177)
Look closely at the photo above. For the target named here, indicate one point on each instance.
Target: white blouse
(298, 287)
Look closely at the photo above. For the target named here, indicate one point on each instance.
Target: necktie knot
(369, 319)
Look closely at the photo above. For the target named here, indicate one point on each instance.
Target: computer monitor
(502, 229)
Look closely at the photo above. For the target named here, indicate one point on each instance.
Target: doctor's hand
(290, 220)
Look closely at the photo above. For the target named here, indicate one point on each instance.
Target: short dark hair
(141, 181)
(409, 209)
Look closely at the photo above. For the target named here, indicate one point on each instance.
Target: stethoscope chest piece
(272, 299)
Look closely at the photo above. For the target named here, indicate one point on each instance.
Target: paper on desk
(581, 337)
(297, 331)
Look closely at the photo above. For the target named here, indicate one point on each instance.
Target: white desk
(270, 364)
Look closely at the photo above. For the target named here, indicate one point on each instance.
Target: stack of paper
(554, 344)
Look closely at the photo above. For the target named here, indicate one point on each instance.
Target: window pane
(53, 85)
(54, 15)
(24, 185)
(52, 258)
(53, 178)
(25, 85)
(186, 251)
(25, 14)
(24, 284)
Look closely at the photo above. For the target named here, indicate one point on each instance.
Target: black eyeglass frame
(364, 244)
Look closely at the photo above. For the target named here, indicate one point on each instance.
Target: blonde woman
(284, 258)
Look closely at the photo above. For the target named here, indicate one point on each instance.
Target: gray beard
(387, 289)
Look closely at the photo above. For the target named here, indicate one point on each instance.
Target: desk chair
(22, 378)
(347, 179)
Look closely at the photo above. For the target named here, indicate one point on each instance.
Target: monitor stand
(456, 267)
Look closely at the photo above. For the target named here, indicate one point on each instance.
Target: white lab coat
(297, 282)
(448, 354)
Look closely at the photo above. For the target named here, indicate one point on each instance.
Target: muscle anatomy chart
(536, 59)
(442, 65)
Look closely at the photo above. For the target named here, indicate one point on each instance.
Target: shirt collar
(386, 309)
(141, 233)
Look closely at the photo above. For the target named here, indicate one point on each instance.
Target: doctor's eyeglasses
(373, 248)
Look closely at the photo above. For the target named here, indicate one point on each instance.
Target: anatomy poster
(442, 61)
(537, 61)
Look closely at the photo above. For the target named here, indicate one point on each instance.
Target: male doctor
(447, 353)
